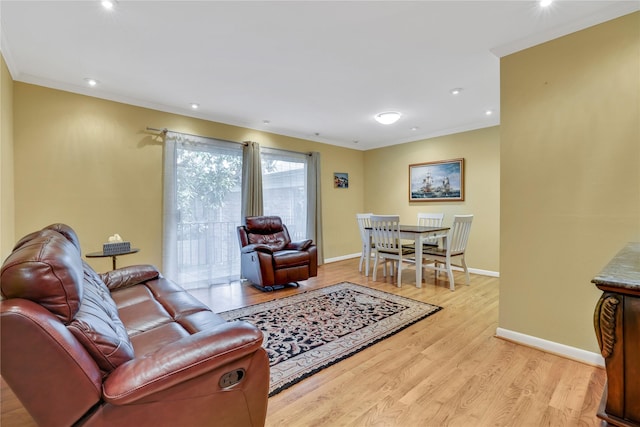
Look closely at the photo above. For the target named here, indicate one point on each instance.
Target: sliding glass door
(202, 205)
(201, 220)
(284, 188)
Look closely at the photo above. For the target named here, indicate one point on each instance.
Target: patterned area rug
(310, 331)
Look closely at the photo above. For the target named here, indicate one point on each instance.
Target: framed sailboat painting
(441, 181)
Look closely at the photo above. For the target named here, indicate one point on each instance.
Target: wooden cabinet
(617, 325)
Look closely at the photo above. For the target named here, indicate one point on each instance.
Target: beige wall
(91, 163)
(7, 220)
(387, 187)
(570, 176)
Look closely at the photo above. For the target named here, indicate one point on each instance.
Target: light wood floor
(446, 370)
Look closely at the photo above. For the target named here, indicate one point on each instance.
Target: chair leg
(466, 270)
(375, 267)
(399, 274)
(368, 258)
(450, 274)
(361, 261)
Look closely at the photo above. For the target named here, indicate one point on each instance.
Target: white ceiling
(318, 70)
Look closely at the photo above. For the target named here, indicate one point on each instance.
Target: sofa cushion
(98, 327)
(160, 312)
(56, 263)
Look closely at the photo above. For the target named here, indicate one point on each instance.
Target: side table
(113, 256)
(617, 325)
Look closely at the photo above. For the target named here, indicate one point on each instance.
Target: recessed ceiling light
(195, 106)
(266, 122)
(388, 117)
(108, 4)
(455, 91)
(488, 112)
(545, 3)
(415, 128)
(91, 82)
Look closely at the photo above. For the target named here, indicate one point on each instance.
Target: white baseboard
(484, 272)
(552, 347)
(341, 258)
(478, 271)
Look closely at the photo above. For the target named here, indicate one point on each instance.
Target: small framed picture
(340, 180)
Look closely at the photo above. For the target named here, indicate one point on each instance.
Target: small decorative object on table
(116, 245)
(114, 248)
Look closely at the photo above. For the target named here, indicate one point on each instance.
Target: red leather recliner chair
(269, 259)
(124, 348)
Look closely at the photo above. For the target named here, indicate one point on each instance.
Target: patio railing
(209, 253)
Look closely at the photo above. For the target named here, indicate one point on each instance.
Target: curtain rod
(165, 130)
(307, 153)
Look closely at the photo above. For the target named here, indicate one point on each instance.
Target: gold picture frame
(441, 181)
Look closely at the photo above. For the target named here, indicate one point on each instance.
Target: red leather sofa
(123, 348)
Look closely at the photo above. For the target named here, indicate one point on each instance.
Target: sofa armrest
(257, 247)
(129, 276)
(301, 245)
(181, 361)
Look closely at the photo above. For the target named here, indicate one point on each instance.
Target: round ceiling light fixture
(91, 82)
(108, 4)
(388, 117)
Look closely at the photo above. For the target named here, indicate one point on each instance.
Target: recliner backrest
(267, 230)
(70, 289)
(57, 264)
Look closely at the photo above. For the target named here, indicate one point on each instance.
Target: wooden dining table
(419, 234)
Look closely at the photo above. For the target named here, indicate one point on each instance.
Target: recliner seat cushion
(287, 259)
(160, 312)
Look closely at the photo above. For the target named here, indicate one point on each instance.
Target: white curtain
(202, 208)
(291, 190)
(169, 209)
(211, 185)
(284, 188)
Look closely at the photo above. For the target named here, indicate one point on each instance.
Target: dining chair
(364, 221)
(387, 244)
(430, 219)
(455, 247)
